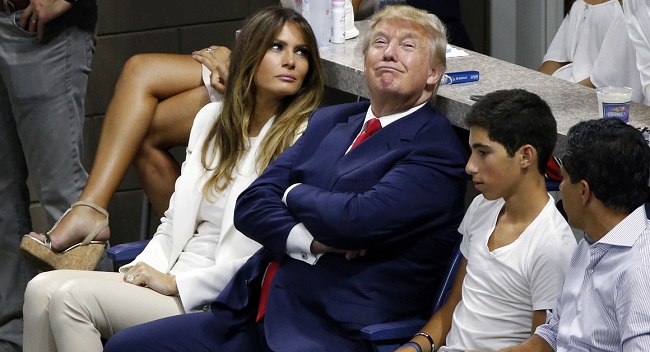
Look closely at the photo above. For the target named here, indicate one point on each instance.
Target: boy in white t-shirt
(516, 245)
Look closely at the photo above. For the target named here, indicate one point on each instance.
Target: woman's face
(284, 66)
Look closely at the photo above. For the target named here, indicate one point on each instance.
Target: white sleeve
(465, 225)
(616, 65)
(214, 95)
(299, 239)
(557, 50)
(157, 252)
(637, 15)
(549, 265)
(299, 244)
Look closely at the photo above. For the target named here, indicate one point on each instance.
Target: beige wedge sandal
(81, 256)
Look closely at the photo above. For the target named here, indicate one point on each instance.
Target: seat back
(389, 336)
(125, 253)
(448, 280)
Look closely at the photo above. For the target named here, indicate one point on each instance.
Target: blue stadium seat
(389, 336)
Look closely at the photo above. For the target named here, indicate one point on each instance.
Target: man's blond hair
(433, 27)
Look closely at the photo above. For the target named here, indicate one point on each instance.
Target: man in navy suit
(361, 231)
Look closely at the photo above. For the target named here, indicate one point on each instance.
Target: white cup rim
(600, 89)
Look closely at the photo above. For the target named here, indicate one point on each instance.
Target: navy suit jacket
(399, 194)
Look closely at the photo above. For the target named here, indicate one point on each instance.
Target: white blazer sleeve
(157, 252)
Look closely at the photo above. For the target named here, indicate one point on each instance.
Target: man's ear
(527, 156)
(434, 76)
(585, 192)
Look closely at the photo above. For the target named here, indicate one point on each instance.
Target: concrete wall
(522, 30)
(127, 28)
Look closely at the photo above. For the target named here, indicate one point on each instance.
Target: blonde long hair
(229, 131)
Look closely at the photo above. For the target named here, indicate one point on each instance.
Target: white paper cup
(614, 102)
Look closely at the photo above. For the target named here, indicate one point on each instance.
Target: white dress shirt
(604, 304)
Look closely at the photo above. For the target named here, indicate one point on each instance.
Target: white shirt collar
(388, 119)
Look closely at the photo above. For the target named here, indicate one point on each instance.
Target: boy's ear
(527, 156)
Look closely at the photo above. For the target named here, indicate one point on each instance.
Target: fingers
(221, 54)
(222, 70)
(349, 255)
(317, 248)
(38, 13)
(40, 29)
(212, 57)
(133, 279)
(219, 77)
(130, 277)
(137, 275)
(32, 23)
(217, 82)
(202, 58)
(33, 20)
(26, 17)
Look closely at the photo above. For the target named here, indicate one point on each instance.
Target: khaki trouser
(71, 310)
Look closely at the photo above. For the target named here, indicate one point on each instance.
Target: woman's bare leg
(156, 167)
(145, 80)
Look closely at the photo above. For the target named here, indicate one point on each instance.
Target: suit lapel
(332, 148)
(388, 138)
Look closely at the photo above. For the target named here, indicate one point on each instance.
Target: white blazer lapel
(189, 186)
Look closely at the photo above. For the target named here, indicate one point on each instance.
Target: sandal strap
(48, 240)
(47, 234)
(98, 228)
(92, 205)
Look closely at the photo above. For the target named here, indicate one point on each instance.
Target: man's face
(398, 61)
(493, 172)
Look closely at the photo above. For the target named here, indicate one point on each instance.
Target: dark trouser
(193, 332)
(42, 91)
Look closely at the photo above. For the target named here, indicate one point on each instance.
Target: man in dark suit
(360, 231)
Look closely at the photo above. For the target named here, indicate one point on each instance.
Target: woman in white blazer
(275, 81)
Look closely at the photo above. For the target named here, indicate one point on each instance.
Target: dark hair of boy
(514, 118)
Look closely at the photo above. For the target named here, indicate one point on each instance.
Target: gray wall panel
(117, 16)
(201, 36)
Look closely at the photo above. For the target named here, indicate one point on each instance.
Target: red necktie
(266, 286)
(373, 126)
